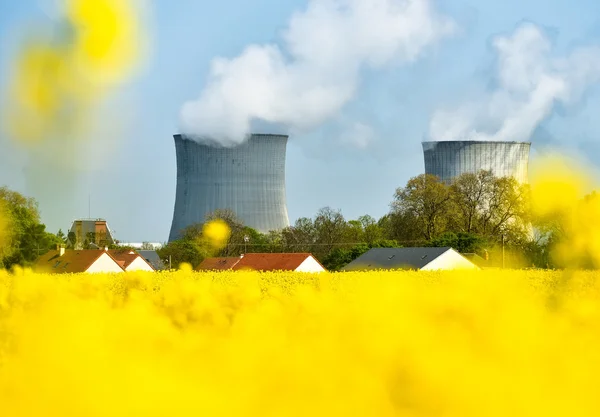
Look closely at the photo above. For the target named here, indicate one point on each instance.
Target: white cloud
(531, 80)
(316, 72)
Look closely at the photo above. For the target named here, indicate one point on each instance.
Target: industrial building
(248, 179)
(450, 159)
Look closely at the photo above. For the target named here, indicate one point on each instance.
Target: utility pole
(246, 239)
(502, 250)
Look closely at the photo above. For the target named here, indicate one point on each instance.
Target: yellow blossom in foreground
(559, 195)
(485, 343)
(216, 233)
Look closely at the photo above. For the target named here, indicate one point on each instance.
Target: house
(94, 231)
(63, 261)
(422, 259)
(130, 260)
(218, 264)
(151, 256)
(299, 262)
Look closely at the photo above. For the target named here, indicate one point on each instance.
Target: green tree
(238, 232)
(71, 239)
(507, 210)
(301, 237)
(61, 237)
(192, 248)
(182, 251)
(252, 241)
(462, 242)
(372, 231)
(274, 241)
(365, 229)
(330, 229)
(26, 235)
(401, 227)
(426, 199)
(470, 194)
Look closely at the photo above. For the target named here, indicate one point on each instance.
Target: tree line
(479, 214)
(23, 237)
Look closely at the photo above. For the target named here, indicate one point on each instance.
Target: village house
(130, 260)
(64, 261)
(151, 256)
(421, 259)
(299, 262)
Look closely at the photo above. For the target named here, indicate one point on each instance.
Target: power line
(316, 244)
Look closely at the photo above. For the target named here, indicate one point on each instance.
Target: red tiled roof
(271, 261)
(217, 264)
(125, 257)
(71, 262)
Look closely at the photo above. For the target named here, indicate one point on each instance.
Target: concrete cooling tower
(449, 159)
(248, 179)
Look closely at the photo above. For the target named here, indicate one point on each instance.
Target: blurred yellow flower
(558, 196)
(216, 233)
(233, 343)
(109, 37)
(557, 184)
(56, 81)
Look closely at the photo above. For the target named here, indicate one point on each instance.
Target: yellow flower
(216, 233)
(108, 40)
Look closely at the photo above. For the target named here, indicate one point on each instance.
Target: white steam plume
(316, 71)
(530, 82)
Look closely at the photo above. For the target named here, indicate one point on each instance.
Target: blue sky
(130, 176)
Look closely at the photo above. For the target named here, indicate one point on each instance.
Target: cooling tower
(248, 179)
(449, 159)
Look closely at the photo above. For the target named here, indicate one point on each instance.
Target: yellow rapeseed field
(485, 343)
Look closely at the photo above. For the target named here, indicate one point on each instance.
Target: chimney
(106, 249)
(61, 250)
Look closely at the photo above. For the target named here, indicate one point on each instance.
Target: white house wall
(139, 264)
(450, 260)
(104, 264)
(310, 264)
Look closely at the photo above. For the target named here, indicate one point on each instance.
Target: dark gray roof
(395, 258)
(152, 258)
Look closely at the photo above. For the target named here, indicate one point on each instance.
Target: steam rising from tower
(449, 159)
(314, 70)
(532, 80)
(248, 179)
